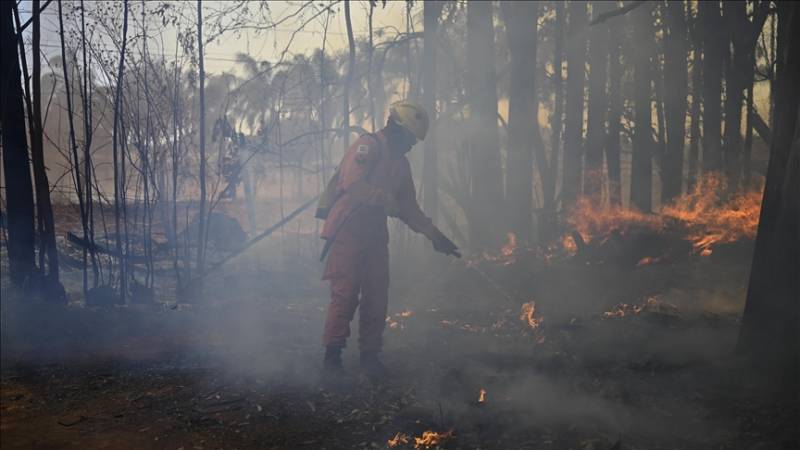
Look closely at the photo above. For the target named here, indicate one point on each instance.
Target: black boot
(333, 376)
(372, 366)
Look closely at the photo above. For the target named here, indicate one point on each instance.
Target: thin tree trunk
(641, 165)
(697, 96)
(74, 148)
(612, 149)
(370, 52)
(19, 188)
(548, 225)
(116, 139)
(597, 107)
(430, 188)
(748, 132)
(87, 145)
(481, 88)
(47, 234)
(175, 161)
(351, 66)
(676, 85)
(521, 28)
(735, 14)
(573, 120)
(201, 244)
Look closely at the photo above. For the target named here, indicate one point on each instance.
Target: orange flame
(396, 322)
(507, 254)
(707, 215)
(399, 438)
(710, 219)
(431, 439)
(652, 304)
(527, 315)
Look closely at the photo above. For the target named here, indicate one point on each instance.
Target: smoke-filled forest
(589, 212)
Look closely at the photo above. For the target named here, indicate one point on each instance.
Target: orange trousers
(359, 277)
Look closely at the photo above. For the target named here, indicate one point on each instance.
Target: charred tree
(74, 149)
(743, 37)
(676, 80)
(577, 21)
(44, 208)
(641, 165)
(520, 19)
(697, 96)
(547, 223)
(16, 170)
(116, 142)
(714, 49)
(481, 88)
(612, 147)
(771, 321)
(430, 188)
(597, 109)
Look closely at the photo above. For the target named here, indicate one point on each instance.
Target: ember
(652, 304)
(395, 323)
(506, 256)
(527, 315)
(482, 396)
(431, 439)
(398, 439)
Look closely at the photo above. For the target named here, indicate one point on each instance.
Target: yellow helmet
(410, 116)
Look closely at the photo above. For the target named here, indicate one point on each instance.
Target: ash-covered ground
(608, 356)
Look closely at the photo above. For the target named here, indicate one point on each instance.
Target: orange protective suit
(372, 181)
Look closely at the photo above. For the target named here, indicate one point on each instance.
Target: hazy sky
(264, 46)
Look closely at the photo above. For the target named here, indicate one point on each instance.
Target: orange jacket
(370, 178)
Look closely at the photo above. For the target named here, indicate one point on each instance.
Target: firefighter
(373, 181)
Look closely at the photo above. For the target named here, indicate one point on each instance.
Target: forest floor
(240, 369)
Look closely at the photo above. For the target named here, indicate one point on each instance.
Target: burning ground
(579, 345)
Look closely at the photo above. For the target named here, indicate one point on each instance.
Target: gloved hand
(442, 244)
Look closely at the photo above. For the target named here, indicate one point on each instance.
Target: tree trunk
(430, 189)
(573, 120)
(598, 105)
(697, 95)
(481, 88)
(771, 320)
(520, 19)
(44, 208)
(19, 189)
(351, 65)
(201, 235)
(714, 51)
(735, 13)
(748, 131)
(87, 146)
(116, 149)
(612, 149)
(547, 224)
(676, 84)
(744, 35)
(641, 165)
(74, 148)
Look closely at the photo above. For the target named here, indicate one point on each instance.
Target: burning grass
(707, 215)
